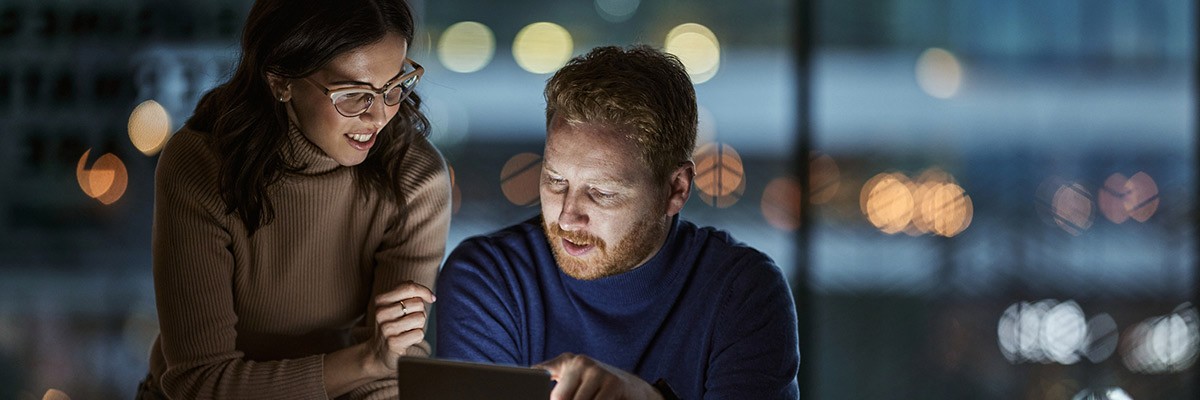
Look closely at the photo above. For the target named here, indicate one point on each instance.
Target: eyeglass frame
(418, 71)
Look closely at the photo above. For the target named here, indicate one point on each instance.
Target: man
(609, 289)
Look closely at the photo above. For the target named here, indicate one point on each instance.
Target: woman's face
(347, 139)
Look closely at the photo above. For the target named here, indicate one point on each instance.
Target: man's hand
(580, 377)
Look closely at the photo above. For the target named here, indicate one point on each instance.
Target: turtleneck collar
(636, 286)
(301, 152)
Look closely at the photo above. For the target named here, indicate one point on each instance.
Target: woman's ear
(281, 88)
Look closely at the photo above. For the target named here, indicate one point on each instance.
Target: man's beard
(602, 261)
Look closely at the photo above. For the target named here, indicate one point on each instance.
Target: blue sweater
(711, 316)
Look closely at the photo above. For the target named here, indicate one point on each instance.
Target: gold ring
(403, 308)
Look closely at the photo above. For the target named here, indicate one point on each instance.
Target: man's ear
(281, 88)
(679, 186)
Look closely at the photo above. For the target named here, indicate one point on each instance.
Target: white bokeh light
(697, 48)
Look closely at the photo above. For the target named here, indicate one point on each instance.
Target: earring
(281, 99)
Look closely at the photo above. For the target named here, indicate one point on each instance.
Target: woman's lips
(361, 146)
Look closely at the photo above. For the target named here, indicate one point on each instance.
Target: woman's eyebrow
(361, 83)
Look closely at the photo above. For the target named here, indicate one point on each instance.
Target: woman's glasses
(352, 102)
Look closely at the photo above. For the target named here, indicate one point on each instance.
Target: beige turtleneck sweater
(251, 317)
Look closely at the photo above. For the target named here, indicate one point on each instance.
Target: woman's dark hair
(248, 126)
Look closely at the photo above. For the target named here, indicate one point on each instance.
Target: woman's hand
(400, 316)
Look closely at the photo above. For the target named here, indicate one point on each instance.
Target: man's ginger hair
(643, 93)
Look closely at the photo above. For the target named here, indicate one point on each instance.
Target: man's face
(604, 214)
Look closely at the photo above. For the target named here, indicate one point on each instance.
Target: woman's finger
(406, 290)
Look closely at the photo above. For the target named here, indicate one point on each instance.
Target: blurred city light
(720, 175)
(697, 48)
(105, 181)
(520, 177)
(616, 10)
(824, 178)
(1163, 344)
(781, 203)
(542, 47)
(149, 126)
(939, 73)
(466, 47)
(887, 202)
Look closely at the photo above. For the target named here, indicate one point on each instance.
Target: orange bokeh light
(720, 175)
(106, 181)
(888, 202)
(520, 177)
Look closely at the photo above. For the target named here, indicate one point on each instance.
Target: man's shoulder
(726, 257)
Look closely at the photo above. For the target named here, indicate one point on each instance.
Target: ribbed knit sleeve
(193, 282)
(414, 243)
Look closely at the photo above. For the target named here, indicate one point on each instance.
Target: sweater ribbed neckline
(303, 153)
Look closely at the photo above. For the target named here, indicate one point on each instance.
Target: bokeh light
(520, 177)
(1163, 344)
(106, 181)
(1065, 204)
(542, 47)
(1102, 338)
(149, 126)
(1064, 332)
(887, 202)
(1051, 332)
(616, 10)
(466, 47)
(697, 48)
(824, 178)
(1121, 199)
(1111, 198)
(1141, 198)
(939, 73)
(781, 203)
(720, 175)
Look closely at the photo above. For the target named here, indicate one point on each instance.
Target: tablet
(430, 379)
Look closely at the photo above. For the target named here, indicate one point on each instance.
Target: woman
(301, 214)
